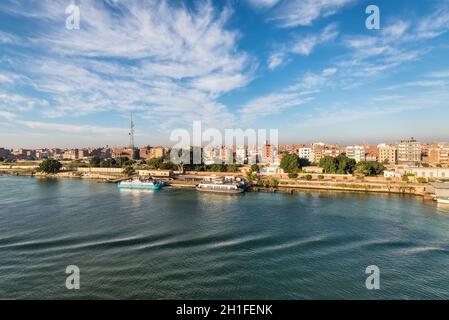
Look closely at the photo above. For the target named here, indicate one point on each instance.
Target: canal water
(180, 244)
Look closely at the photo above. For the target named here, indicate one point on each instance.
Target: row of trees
(344, 165)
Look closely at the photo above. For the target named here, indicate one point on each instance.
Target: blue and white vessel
(138, 184)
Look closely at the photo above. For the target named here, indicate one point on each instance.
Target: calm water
(179, 244)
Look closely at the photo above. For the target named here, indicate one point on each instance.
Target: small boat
(138, 184)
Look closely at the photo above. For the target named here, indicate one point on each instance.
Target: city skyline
(311, 69)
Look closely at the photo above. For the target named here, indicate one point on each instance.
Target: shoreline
(286, 186)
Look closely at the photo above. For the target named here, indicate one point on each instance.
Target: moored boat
(138, 184)
(221, 185)
(220, 188)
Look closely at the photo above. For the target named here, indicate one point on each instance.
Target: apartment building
(356, 152)
(317, 151)
(388, 154)
(306, 153)
(438, 154)
(409, 152)
(211, 155)
(241, 155)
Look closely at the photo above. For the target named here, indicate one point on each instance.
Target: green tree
(108, 163)
(293, 175)
(345, 164)
(95, 161)
(369, 168)
(217, 168)
(155, 163)
(290, 163)
(167, 165)
(123, 162)
(329, 164)
(128, 170)
(50, 166)
(255, 168)
(303, 162)
(309, 177)
(232, 168)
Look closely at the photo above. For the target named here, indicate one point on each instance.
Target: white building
(306, 153)
(253, 155)
(356, 152)
(211, 155)
(429, 173)
(241, 155)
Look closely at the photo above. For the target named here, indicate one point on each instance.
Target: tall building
(409, 152)
(241, 155)
(356, 152)
(211, 155)
(438, 154)
(388, 154)
(267, 153)
(317, 151)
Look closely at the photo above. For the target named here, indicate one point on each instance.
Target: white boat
(138, 184)
(231, 188)
(221, 185)
(443, 200)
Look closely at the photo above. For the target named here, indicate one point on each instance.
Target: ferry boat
(221, 185)
(138, 184)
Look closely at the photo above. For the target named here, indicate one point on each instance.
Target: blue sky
(309, 68)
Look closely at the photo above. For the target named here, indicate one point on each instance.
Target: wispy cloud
(302, 45)
(293, 13)
(295, 95)
(263, 3)
(172, 59)
(74, 129)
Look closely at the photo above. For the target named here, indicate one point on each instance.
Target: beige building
(409, 152)
(388, 154)
(438, 155)
(317, 152)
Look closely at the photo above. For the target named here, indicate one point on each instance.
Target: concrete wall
(100, 170)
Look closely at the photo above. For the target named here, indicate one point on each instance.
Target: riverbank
(285, 185)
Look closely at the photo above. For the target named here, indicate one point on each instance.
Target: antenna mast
(131, 133)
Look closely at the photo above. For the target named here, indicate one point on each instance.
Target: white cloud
(160, 58)
(7, 115)
(263, 3)
(74, 129)
(294, 95)
(293, 13)
(440, 74)
(302, 45)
